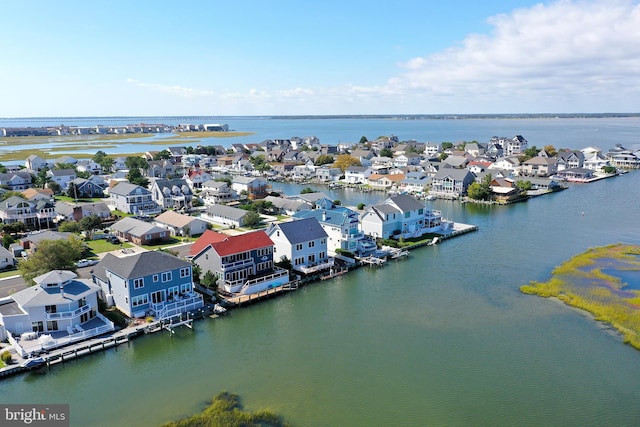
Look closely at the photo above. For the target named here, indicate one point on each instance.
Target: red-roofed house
(243, 263)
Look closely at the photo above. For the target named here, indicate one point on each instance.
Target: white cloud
(564, 49)
(564, 56)
(181, 91)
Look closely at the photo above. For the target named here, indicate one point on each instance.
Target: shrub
(6, 357)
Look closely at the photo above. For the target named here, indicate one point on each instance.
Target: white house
(303, 242)
(400, 216)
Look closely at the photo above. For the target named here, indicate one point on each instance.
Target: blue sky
(101, 58)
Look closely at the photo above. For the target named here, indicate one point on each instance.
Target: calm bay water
(441, 338)
(574, 133)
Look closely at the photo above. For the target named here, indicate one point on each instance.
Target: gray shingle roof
(302, 230)
(135, 227)
(139, 265)
(406, 203)
(227, 212)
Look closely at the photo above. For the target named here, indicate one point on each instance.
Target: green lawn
(101, 245)
(9, 273)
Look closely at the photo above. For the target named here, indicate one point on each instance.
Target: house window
(312, 244)
(407, 214)
(299, 247)
(166, 276)
(155, 277)
(139, 300)
(420, 211)
(147, 237)
(50, 309)
(312, 258)
(37, 326)
(185, 272)
(174, 290)
(185, 287)
(138, 283)
(52, 325)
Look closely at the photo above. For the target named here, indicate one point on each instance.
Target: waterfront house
(342, 226)
(407, 159)
(180, 225)
(59, 309)
(570, 159)
(224, 215)
(215, 192)
(133, 199)
(385, 181)
(621, 157)
(242, 263)
(328, 174)
(451, 183)
(254, 188)
(285, 206)
(510, 164)
(303, 242)
(595, 161)
(415, 182)
(357, 174)
(33, 214)
(139, 232)
(576, 174)
(171, 193)
(400, 216)
(539, 166)
(150, 283)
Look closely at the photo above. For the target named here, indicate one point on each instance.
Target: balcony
(236, 264)
(60, 315)
(177, 305)
(315, 267)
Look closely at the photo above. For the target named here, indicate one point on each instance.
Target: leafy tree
(69, 227)
(252, 219)
(480, 190)
(14, 228)
(7, 239)
(523, 185)
(60, 166)
(307, 190)
(343, 161)
(446, 145)
(442, 156)
(135, 177)
(361, 206)
(51, 255)
(209, 280)
(551, 150)
(55, 187)
(3, 169)
(337, 202)
(260, 163)
(90, 224)
(609, 169)
(263, 206)
(41, 179)
(323, 159)
(4, 196)
(284, 263)
(363, 140)
(105, 162)
(135, 162)
(73, 191)
(162, 155)
(529, 153)
(386, 152)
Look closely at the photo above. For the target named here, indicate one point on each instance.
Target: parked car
(113, 239)
(86, 263)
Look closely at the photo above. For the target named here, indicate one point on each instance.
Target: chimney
(324, 215)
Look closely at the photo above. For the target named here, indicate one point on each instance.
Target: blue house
(149, 283)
